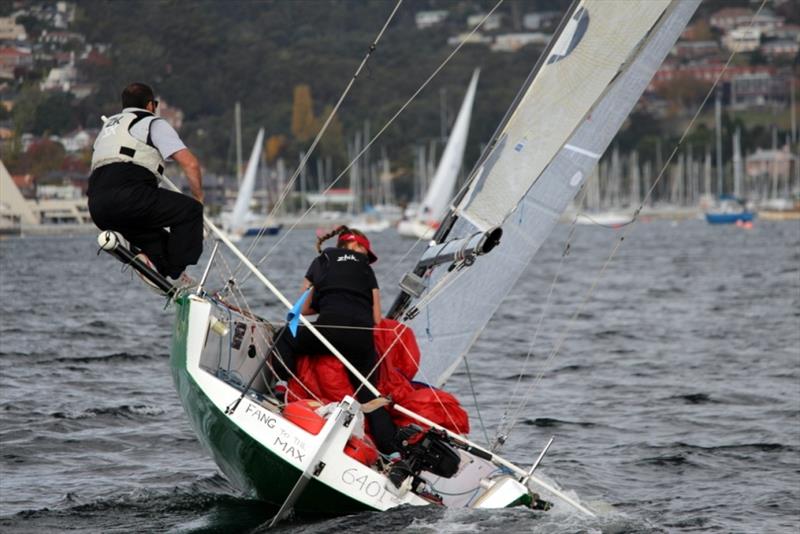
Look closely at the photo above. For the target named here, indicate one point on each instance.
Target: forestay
(565, 119)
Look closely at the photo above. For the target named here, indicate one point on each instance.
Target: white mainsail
(565, 119)
(236, 224)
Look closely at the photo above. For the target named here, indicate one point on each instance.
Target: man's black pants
(126, 198)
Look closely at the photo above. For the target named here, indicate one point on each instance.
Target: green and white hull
(271, 458)
(261, 452)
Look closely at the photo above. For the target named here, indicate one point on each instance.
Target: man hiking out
(128, 159)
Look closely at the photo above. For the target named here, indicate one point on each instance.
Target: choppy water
(675, 399)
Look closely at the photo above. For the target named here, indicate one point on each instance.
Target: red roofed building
(26, 184)
(96, 59)
(705, 72)
(11, 57)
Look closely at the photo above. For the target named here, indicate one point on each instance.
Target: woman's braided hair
(339, 230)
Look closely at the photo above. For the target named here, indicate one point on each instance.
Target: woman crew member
(344, 292)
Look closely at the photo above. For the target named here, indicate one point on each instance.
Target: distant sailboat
(242, 222)
(433, 207)
(730, 209)
(369, 220)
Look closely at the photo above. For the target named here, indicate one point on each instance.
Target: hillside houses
(764, 48)
(11, 31)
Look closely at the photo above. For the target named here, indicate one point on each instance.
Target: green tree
(332, 143)
(24, 112)
(55, 114)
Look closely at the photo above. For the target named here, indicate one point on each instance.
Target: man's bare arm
(191, 167)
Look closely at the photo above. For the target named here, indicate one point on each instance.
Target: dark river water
(674, 399)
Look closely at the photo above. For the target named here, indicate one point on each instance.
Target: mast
(237, 119)
(718, 122)
(737, 163)
(774, 166)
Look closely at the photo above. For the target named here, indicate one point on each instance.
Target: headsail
(564, 120)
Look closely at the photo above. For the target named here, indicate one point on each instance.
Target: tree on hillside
(24, 112)
(683, 93)
(304, 125)
(275, 147)
(332, 143)
(37, 112)
(700, 31)
(42, 157)
(55, 114)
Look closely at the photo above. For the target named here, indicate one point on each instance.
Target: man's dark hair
(137, 95)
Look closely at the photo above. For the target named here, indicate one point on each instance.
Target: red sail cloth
(326, 378)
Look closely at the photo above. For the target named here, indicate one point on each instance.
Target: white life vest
(115, 143)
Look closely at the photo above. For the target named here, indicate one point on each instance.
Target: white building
(470, 38)
(542, 20)
(61, 78)
(427, 19)
(493, 22)
(511, 42)
(767, 162)
(77, 140)
(742, 39)
(63, 192)
(11, 31)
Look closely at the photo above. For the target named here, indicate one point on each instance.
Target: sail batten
(542, 157)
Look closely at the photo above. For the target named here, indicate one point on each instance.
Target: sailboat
(424, 222)
(313, 461)
(729, 209)
(241, 221)
(368, 220)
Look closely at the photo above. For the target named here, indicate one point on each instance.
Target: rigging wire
(475, 400)
(542, 315)
(379, 133)
(246, 306)
(301, 166)
(618, 243)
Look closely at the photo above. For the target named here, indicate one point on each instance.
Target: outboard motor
(427, 451)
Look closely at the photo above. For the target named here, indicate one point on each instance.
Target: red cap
(363, 241)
